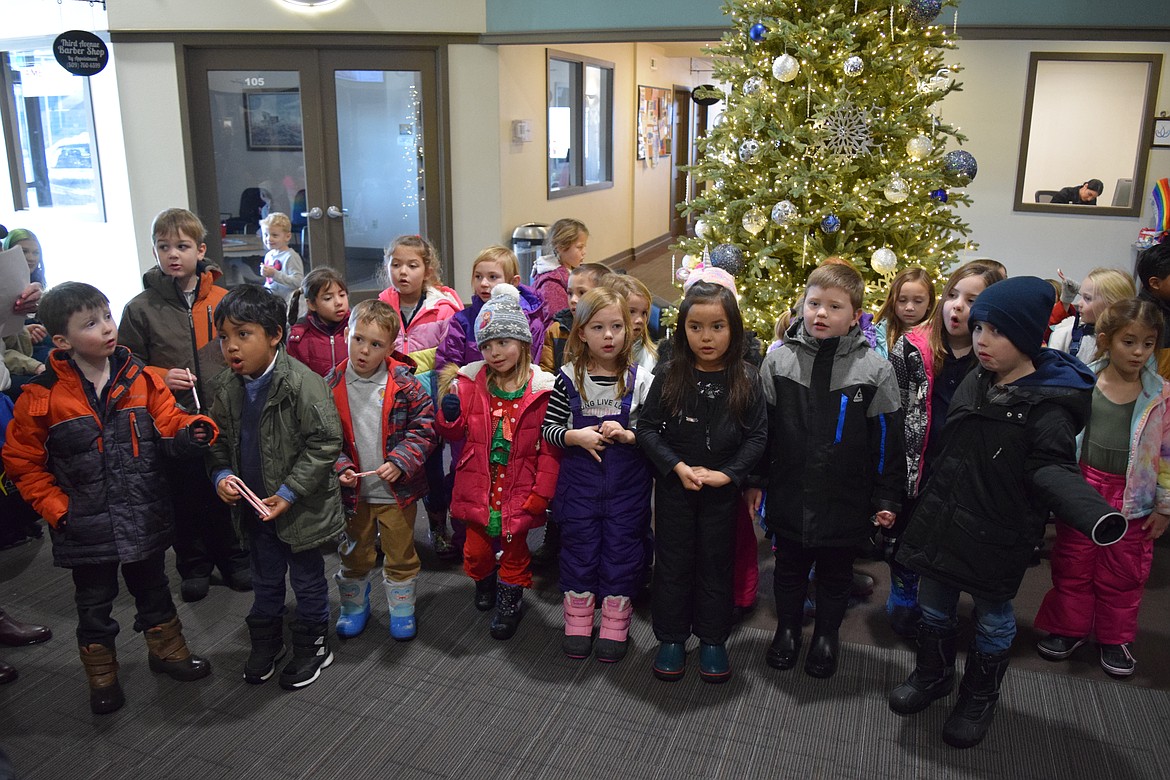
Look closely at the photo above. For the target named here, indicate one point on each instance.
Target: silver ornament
(918, 147)
(784, 212)
(748, 150)
(753, 85)
(702, 229)
(854, 65)
(785, 67)
(897, 190)
(755, 220)
(884, 261)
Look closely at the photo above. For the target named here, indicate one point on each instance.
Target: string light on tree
(834, 143)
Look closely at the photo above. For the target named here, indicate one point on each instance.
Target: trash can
(527, 240)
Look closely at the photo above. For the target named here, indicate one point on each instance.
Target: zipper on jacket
(134, 435)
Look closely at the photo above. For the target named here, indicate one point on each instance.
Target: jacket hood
(1058, 369)
(544, 264)
(155, 279)
(798, 336)
(541, 379)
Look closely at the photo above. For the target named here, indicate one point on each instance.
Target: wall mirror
(1087, 116)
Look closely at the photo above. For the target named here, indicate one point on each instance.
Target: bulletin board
(655, 106)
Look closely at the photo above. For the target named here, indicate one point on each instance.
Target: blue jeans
(270, 560)
(995, 621)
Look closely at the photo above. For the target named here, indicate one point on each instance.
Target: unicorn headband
(710, 275)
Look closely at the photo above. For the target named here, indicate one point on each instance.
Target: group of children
(948, 428)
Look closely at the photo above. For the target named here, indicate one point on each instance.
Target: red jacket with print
(408, 428)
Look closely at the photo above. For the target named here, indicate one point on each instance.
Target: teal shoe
(671, 661)
(713, 664)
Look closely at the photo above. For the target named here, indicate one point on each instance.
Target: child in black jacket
(835, 463)
(1008, 457)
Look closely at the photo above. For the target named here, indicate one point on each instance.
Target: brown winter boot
(101, 667)
(169, 654)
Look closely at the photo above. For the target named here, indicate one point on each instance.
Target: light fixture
(309, 3)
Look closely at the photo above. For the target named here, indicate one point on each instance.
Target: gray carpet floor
(456, 703)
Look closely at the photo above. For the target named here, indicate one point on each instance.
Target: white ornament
(897, 190)
(689, 262)
(753, 85)
(884, 261)
(785, 67)
(702, 229)
(784, 212)
(918, 147)
(854, 66)
(755, 220)
(748, 150)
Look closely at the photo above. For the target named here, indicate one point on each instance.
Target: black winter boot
(509, 610)
(934, 672)
(978, 694)
(101, 667)
(485, 593)
(268, 647)
(550, 548)
(785, 644)
(168, 653)
(311, 654)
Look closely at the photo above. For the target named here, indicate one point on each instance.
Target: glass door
(336, 139)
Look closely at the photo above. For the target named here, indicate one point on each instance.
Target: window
(580, 124)
(48, 124)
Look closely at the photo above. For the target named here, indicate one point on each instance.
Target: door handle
(313, 213)
(335, 213)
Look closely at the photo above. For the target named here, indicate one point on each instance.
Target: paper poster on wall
(655, 108)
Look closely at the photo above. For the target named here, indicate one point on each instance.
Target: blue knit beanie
(1018, 308)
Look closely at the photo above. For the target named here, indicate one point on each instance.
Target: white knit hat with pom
(502, 318)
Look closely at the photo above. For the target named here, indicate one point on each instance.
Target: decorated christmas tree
(830, 144)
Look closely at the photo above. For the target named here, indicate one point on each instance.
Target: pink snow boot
(578, 641)
(615, 627)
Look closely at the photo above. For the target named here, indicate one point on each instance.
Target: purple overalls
(603, 508)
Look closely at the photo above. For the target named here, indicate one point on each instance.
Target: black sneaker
(1117, 660)
(1055, 647)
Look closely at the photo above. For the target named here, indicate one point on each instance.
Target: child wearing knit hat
(1008, 458)
(506, 476)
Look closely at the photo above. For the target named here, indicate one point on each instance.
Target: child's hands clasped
(1156, 524)
(589, 438)
(710, 477)
(884, 518)
(613, 432)
(690, 480)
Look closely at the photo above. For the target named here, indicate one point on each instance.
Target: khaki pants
(395, 526)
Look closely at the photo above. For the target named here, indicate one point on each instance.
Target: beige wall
(346, 15)
(476, 131)
(990, 110)
(635, 210)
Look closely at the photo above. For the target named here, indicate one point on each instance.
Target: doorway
(680, 178)
(346, 142)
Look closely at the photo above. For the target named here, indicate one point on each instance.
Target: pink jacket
(533, 464)
(429, 327)
(1147, 480)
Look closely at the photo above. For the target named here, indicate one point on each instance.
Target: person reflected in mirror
(1084, 195)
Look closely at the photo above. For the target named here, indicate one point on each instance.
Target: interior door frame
(312, 59)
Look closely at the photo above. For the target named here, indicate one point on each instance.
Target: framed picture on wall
(1162, 131)
(272, 120)
(654, 122)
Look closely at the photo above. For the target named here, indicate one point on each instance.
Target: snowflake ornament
(844, 130)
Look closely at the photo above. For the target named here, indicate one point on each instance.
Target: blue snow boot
(902, 605)
(355, 606)
(400, 597)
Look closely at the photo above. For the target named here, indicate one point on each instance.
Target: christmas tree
(829, 144)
